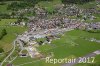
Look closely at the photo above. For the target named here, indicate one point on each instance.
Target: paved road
(9, 53)
(93, 54)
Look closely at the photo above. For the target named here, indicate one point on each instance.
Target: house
(9, 65)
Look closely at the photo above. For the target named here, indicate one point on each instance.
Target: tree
(1, 50)
(3, 33)
(13, 14)
(40, 42)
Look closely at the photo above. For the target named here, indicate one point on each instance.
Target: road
(9, 53)
(93, 54)
(21, 44)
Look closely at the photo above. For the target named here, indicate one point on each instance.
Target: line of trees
(23, 4)
(3, 33)
(26, 0)
(76, 1)
(4, 15)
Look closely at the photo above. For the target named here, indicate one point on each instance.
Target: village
(67, 27)
(42, 27)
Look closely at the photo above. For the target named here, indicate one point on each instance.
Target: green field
(50, 6)
(31, 62)
(87, 5)
(3, 8)
(5, 22)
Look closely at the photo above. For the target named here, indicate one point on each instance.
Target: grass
(40, 63)
(87, 5)
(3, 8)
(44, 48)
(4, 22)
(31, 62)
(50, 6)
(97, 58)
(97, 19)
(21, 60)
